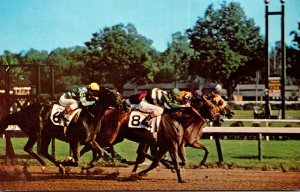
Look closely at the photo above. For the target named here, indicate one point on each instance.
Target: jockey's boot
(146, 121)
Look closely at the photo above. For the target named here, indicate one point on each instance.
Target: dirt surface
(118, 178)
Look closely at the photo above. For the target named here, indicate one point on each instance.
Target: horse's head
(223, 106)
(112, 98)
(206, 108)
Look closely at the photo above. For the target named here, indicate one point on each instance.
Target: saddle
(57, 114)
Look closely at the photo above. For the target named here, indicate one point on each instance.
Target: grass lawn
(284, 155)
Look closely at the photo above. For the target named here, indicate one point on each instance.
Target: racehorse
(194, 132)
(35, 121)
(113, 120)
(114, 129)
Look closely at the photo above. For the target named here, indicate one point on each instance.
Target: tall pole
(7, 85)
(283, 63)
(283, 56)
(267, 73)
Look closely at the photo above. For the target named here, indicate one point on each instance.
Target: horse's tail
(27, 118)
(5, 122)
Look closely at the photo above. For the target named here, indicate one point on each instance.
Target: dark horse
(194, 132)
(170, 135)
(35, 121)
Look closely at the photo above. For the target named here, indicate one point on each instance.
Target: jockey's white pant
(150, 108)
(72, 103)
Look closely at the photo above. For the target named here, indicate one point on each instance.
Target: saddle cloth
(56, 115)
(136, 117)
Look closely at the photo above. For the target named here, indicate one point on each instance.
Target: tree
(175, 60)
(69, 67)
(35, 57)
(118, 55)
(23, 75)
(228, 47)
(293, 56)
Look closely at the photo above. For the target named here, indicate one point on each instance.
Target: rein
(201, 117)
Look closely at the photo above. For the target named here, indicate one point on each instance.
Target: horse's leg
(85, 149)
(44, 151)
(199, 145)
(95, 158)
(182, 154)
(75, 152)
(28, 148)
(153, 151)
(96, 150)
(162, 151)
(111, 150)
(141, 151)
(174, 156)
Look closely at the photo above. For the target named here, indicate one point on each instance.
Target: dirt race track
(118, 178)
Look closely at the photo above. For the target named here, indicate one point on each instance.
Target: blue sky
(49, 24)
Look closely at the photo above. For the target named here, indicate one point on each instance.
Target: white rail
(267, 121)
(264, 130)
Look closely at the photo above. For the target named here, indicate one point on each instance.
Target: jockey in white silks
(156, 100)
(79, 95)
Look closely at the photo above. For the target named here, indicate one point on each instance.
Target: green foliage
(175, 60)
(118, 55)
(227, 44)
(293, 55)
(69, 65)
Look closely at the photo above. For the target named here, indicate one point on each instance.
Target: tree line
(223, 46)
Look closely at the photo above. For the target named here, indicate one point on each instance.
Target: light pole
(283, 62)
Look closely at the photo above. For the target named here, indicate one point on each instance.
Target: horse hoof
(61, 169)
(141, 174)
(68, 170)
(43, 168)
(134, 177)
(202, 163)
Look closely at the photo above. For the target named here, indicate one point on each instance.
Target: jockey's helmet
(175, 92)
(218, 88)
(94, 86)
(197, 93)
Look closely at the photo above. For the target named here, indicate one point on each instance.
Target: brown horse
(35, 121)
(194, 132)
(114, 129)
(113, 120)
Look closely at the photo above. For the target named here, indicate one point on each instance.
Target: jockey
(84, 95)
(156, 100)
(212, 92)
(184, 97)
(210, 89)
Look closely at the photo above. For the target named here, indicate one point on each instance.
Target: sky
(50, 24)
